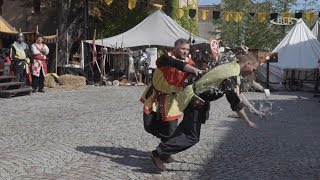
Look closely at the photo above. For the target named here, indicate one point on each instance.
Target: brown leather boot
(157, 161)
(169, 160)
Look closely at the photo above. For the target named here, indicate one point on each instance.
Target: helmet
(20, 37)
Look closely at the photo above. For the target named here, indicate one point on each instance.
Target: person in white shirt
(39, 65)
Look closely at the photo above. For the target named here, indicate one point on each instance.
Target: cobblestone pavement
(97, 133)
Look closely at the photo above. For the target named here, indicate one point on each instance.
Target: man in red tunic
(39, 65)
(161, 111)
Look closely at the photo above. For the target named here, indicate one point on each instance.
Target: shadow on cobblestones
(286, 146)
(139, 161)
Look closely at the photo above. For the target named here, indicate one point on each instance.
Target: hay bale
(50, 82)
(72, 81)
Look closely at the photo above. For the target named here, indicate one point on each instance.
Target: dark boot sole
(155, 163)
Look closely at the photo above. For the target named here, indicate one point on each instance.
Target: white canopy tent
(316, 30)
(299, 50)
(157, 29)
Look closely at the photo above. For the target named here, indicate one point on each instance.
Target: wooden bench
(6, 78)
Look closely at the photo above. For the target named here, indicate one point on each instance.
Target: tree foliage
(190, 24)
(116, 18)
(260, 35)
(107, 20)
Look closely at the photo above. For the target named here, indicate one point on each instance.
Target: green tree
(190, 24)
(255, 34)
(117, 18)
(107, 20)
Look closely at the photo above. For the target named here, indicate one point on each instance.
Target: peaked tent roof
(316, 30)
(300, 49)
(5, 27)
(157, 29)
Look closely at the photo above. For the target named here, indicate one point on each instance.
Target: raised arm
(170, 61)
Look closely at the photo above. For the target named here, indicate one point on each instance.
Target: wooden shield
(214, 45)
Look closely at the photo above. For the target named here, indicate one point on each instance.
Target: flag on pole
(94, 58)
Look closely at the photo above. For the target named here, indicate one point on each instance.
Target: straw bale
(50, 82)
(72, 81)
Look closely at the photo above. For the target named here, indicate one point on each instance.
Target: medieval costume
(195, 100)
(39, 65)
(161, 110)
(19, 53)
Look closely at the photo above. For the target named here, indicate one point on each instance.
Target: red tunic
(166, 81)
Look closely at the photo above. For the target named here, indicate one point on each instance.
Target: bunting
(262, 17)
(132, 4)
(298, 15)
(216, 15)
(237, 16)
(227, 16)
(180, 12)
(204, 14)
(286, 17)
(273, 16)
(309, 15)
(192, 13)
(108, 2)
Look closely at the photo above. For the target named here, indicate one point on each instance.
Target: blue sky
(209, 2)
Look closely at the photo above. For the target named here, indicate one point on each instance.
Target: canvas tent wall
(157, 29)
(316, 30)
(299, 50)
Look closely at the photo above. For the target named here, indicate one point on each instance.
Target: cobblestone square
(97, 133)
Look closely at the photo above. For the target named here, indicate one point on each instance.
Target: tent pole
(56, 71)
(268, 74)
(82, 55)
(67, 48)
